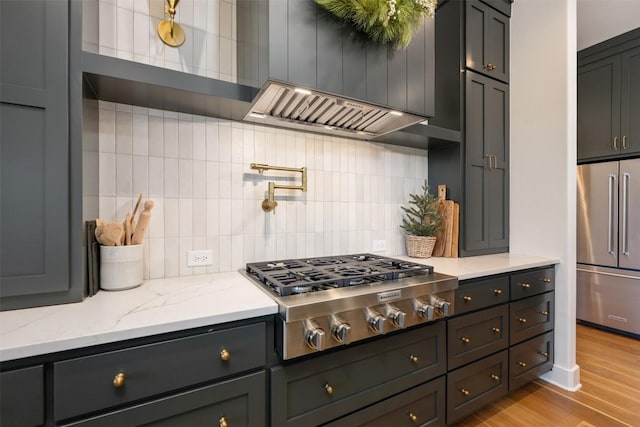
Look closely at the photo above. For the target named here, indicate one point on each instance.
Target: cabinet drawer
(530, 359)
(22, 392)
(481, 294)
(88, 384)
(238, 402)
(530, 317)
(532, 283)
(422, 405)
(475, 385)
(324, 388)
(473, 336)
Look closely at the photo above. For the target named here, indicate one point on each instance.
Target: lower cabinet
(22, 397)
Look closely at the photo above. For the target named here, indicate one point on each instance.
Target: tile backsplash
(196, 169)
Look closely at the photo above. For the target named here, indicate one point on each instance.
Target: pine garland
(386, 21)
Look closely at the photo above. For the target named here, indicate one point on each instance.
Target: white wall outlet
(379, 246)
(199, 258)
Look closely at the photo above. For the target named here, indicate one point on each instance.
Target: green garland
(386, 21)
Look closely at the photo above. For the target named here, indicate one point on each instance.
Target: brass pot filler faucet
(269, 204)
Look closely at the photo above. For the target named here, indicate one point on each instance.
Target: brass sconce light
(170, 32)
(269, 204)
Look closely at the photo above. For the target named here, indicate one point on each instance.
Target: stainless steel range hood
(284, 105)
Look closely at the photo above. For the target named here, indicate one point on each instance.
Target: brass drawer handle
(495, 377)
(328, 389)
(118, 380)
(615, 142)
(525, 285)
(546, 280)
(495, 330)
(524, 365)
(544, 313)
(465, 391)
(466, 299)
(522, 320)
(544, 353)
(413, 358)
(624, 142)
(413, 417)
(225, 355)
(223, 422)
(465, 340)
(497, 291)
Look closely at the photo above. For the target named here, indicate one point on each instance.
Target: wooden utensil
(438, 249)
(446, 234)
(456, 230)
(112, 234)
(143, 222)
(127, 229)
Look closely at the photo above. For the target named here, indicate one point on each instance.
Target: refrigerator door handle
(612, 182)
(625, 192)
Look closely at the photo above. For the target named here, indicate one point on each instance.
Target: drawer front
(22, 392)
(530, 359)
(481, 294)
(475, 385)
(105, 380)
(473, 336)
(530, 317)
(532, 283)
(324, 388)
(237, 402)
(422, 405)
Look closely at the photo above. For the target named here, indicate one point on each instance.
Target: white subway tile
(185, 172)
(199, 139)
(172, 257)
(156, 223)
(185, 217)
(140, 134)
(156, 177)
(156, 257)
(171, 137)
(171, 217)
(199, 179)
(124, 132)
(225, 253)
(141, 33)
(213, 217)
(225, 217)
(171, 178)
(107, 24)
(124, 28)
(107, 174)
(107, 130)
(141, 175)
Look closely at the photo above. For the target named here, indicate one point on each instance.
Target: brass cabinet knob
(223, 422)
(544, 313)
(225, 355)
(118, 380)
(497, 291)
(490, 67)
(465, 340)
(328, 389)
(524, 365)
(413, 358)
(522, 320)
(495, 377)
(413, 417)
(525, 285)
(465, 391)
(466, 299)
(546, 280)
(544, 353)
(495, 330)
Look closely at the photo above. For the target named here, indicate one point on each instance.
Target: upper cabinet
(298, 42)
(487, 40)
(609, 99)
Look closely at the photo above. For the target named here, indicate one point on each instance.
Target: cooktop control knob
(375, 321)
(396, 316)
(314, 336)
(443, 306)
(425, 311)
(341, 332)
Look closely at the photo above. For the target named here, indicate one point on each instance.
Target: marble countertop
(168, 305)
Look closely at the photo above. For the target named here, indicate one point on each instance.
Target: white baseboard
(568, 379)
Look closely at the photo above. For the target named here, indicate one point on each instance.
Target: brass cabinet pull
(225, 355)
(413, 417)
(223, 422)
(524, 365)
(413, 358)
(525, 285)
(544, 313)
(522, 320)
(466, 299)
(615, 142)
(496, 330)
(328, 389)
(624, 142)
(546, 280)
(544, 353)
(465, 340)
(118, 380)
(464, 391)
(494, 377)
(497, 291)
(490, 67)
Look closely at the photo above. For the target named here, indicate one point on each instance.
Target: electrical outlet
(199, 258)
(379, 246)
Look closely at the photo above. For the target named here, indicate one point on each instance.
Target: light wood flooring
(609, 397)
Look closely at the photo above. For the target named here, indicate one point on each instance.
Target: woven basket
(420, 246)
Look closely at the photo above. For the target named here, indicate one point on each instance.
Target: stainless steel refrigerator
(608, 250)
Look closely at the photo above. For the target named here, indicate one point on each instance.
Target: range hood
(284, 105)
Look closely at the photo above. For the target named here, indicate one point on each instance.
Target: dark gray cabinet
(487, 40)
(22, 397)
(34, 161)
(609, 99)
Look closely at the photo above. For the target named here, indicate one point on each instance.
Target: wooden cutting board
(447, 239)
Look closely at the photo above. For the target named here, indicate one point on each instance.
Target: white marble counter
(486, 265)
(157, 306)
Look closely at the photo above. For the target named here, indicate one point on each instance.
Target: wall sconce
(170, 32)
(269, 204)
